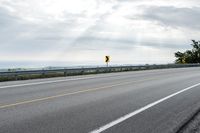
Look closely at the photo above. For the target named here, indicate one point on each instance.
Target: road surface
(152, 101)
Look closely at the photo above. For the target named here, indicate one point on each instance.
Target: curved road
(153, 101)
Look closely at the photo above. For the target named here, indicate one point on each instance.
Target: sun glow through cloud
(82, 32)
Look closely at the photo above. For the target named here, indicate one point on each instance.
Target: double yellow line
(71, 93)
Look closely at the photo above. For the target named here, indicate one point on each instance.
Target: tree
(189, 56)
(180, 57)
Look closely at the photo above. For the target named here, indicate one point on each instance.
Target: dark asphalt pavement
(82, 104)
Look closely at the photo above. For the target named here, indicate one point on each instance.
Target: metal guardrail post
(65, 72)
(43, 73)
(97, 70)
(16, 76)
(82, 71)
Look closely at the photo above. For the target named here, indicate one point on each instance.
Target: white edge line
(45, 82)
(123, 118)
(57, 81)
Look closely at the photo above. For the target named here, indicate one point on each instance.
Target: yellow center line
(72, 93)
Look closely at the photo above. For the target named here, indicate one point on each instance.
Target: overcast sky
(82, 32)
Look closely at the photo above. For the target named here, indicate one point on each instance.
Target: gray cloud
(100, 43)
(42, 38)
(6, 19)
(19, 36)
(96, 32)
(174, 17)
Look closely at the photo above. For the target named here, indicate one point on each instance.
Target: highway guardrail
(29, 74)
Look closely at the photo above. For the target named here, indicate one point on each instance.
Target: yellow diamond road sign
(107, 59)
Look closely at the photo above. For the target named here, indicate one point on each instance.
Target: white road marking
(123, 118)
(72, 93)
(47, 82)
(64, 80)
(61, 80)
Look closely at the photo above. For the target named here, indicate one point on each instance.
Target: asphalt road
(153, 101)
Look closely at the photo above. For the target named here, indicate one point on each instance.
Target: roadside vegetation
(189, 56)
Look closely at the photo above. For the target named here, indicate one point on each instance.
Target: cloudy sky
(82, 32)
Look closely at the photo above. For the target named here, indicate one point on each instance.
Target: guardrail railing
(27, 74)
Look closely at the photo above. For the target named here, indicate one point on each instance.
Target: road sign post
(107, 60)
